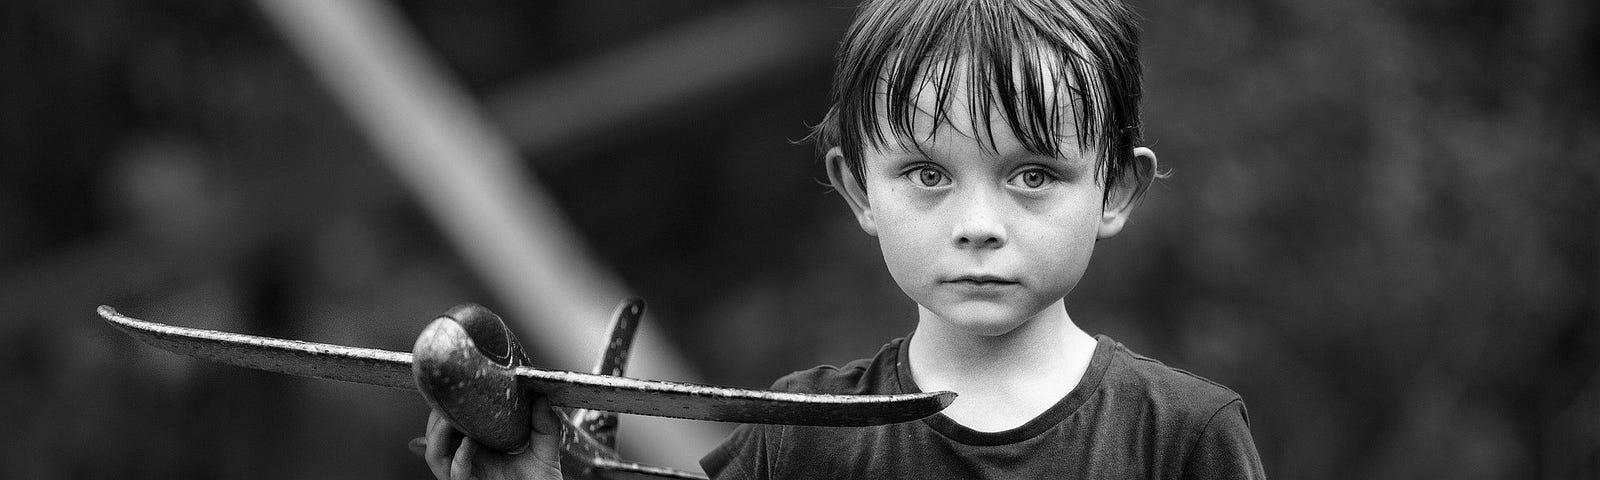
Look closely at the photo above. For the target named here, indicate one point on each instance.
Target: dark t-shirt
(1129, 417)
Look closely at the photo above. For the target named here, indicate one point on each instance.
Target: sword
(468, 365)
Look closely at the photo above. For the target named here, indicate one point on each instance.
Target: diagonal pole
(468, 178)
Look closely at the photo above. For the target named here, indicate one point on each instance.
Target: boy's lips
(981, 281)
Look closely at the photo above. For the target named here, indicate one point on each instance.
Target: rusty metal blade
(568, 389)
(723, 404)
(320, 360)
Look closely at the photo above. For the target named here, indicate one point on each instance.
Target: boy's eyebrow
(1069, 155)
(1066, 138)
(1072, 158)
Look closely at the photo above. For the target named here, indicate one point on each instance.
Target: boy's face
(984, 237)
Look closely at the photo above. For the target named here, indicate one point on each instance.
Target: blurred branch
(467, 177)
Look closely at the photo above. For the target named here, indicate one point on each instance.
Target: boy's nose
(979, 226)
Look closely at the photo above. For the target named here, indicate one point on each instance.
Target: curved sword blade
(308, 359)
(568, 389)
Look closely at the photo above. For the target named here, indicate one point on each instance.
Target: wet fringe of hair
(1006, 53)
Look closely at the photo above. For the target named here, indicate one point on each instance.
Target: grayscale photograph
(778, 239)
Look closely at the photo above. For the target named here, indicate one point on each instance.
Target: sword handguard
(601, 424)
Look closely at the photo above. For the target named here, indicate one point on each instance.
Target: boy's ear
(854, 193)
(1125, 194)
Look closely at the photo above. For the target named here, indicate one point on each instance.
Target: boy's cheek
(909, 235)
(906, 271)
(904, 254)
(1064, 269)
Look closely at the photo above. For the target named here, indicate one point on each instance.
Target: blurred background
(1381, 227)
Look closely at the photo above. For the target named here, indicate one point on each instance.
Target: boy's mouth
(981, 281)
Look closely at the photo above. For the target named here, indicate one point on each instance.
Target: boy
(988, 145)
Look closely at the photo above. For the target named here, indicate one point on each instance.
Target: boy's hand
(452, 456)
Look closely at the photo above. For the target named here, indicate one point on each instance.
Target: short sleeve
(742, 456)
(1225, 449)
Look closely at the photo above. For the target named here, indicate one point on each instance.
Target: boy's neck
(1004, 380)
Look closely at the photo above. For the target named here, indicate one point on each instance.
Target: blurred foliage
(1381, 230)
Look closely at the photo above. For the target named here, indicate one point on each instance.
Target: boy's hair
(898, 47)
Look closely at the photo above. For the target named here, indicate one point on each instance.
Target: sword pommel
(465, 365)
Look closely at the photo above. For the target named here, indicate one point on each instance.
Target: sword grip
(465, 366)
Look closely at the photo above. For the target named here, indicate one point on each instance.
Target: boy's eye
(928, 176)
(1033, 178)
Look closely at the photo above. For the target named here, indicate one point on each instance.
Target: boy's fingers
(441, 444)
(461, 467)
(431, 445)
(544, 418)
(546, 451)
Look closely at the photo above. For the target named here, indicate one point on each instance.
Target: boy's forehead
(944, 98)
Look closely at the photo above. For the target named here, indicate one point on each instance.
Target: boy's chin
(981, 318)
